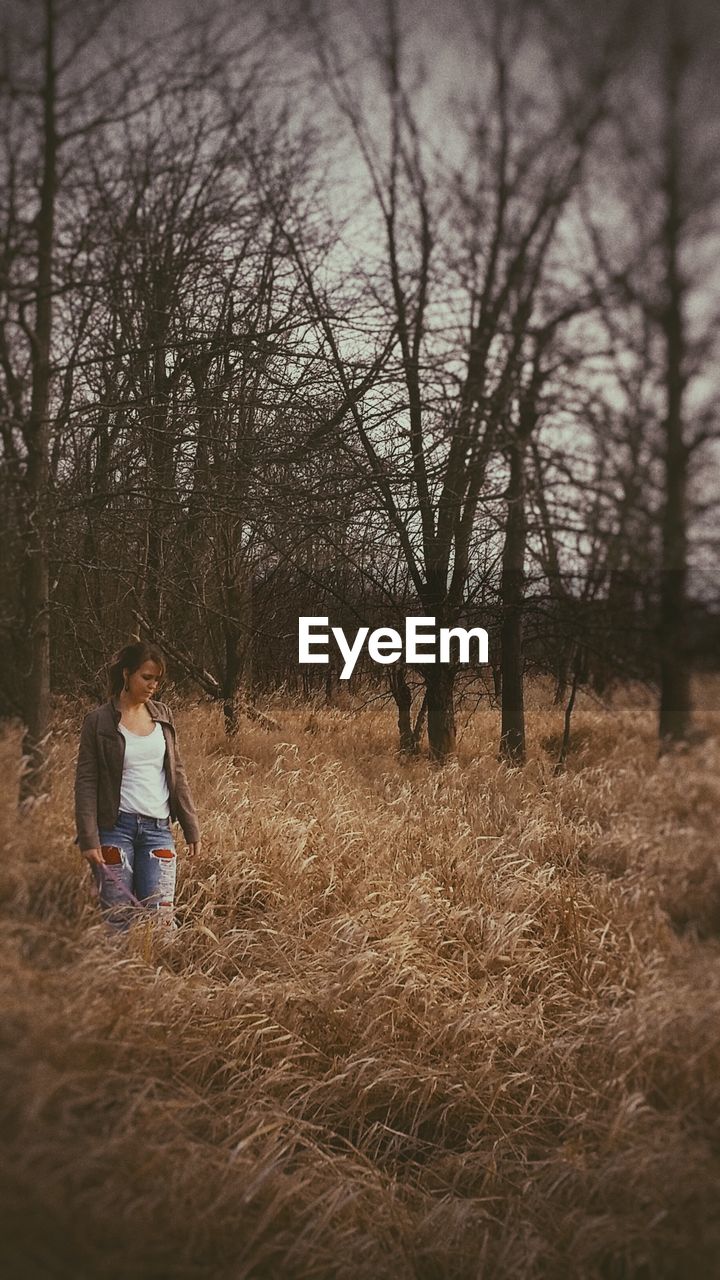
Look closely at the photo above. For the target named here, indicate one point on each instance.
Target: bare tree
(60, 88)
(426, 435)
(666, 130)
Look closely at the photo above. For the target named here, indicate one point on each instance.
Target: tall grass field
(414, 1021)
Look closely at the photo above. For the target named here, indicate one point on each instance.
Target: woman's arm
(184, 802)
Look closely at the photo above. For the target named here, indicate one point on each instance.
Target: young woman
(130, 784)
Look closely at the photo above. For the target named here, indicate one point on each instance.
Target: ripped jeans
(138, 871)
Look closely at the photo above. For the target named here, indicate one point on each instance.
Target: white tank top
(144, 786)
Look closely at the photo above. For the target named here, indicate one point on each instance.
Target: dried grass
(454, 1022)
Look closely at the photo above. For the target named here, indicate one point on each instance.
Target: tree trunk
(561, 611)
(231, 715)
(497, 679)
(248, 654)
(402, 694)
(232, 668)
(36, 576)
(419, 724)
(410, 734)
(512, 734)
(439, 684)
(565, 745)
(674, 720)
(566, 649)
(160, 479)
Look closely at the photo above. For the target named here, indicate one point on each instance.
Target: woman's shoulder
(162, 711)
(98, 716)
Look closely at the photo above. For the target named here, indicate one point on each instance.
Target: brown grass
(415, 1022)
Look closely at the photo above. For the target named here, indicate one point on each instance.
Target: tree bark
(402, 694)
(159, 466)
(565, 653)
(36, 576)
(512, 733)
(439, 685)
(565, 745)
(675, 710)
(230, 681)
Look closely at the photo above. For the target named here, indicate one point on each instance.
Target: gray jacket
(99, 773)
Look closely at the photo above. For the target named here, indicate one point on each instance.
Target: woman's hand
(194, 848)
(93, 855)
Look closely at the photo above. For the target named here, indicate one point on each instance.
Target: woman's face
(142, 684)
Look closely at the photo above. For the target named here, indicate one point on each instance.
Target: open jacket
(99, 774)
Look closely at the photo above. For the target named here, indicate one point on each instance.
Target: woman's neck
(127, 703)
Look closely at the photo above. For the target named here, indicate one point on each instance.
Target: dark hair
(130, 658)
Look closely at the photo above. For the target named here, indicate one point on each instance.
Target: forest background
(312, 312)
